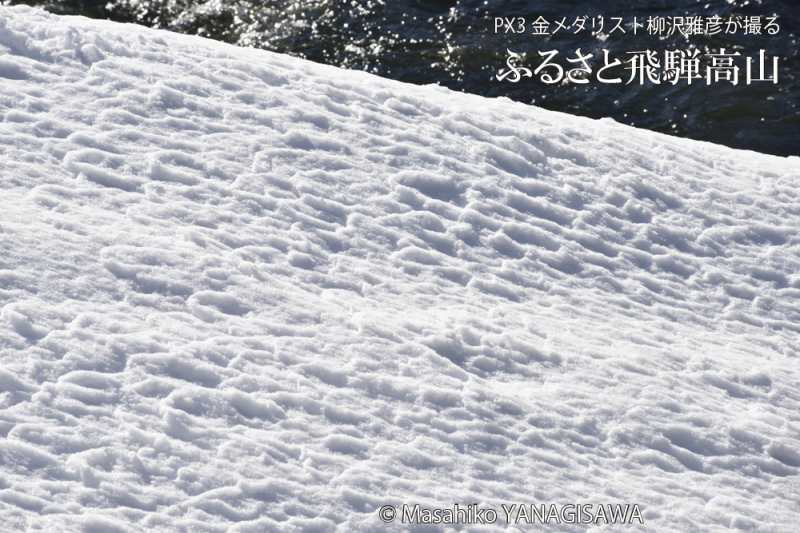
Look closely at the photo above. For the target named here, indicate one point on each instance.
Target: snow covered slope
(244, 292)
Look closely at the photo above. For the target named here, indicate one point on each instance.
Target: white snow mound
(244, 292)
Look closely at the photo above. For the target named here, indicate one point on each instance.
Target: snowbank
(244, 292)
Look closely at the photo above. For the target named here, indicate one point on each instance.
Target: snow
(245, 292)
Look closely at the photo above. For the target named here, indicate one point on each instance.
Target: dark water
(453, 44)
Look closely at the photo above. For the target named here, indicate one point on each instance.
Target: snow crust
(244, 292)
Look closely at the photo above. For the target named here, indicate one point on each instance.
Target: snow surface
(244, 292)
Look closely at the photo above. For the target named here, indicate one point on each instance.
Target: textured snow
(244, 292)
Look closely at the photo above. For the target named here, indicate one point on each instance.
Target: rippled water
(453, 43)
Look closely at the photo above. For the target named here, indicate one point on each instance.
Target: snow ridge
(244, 292)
